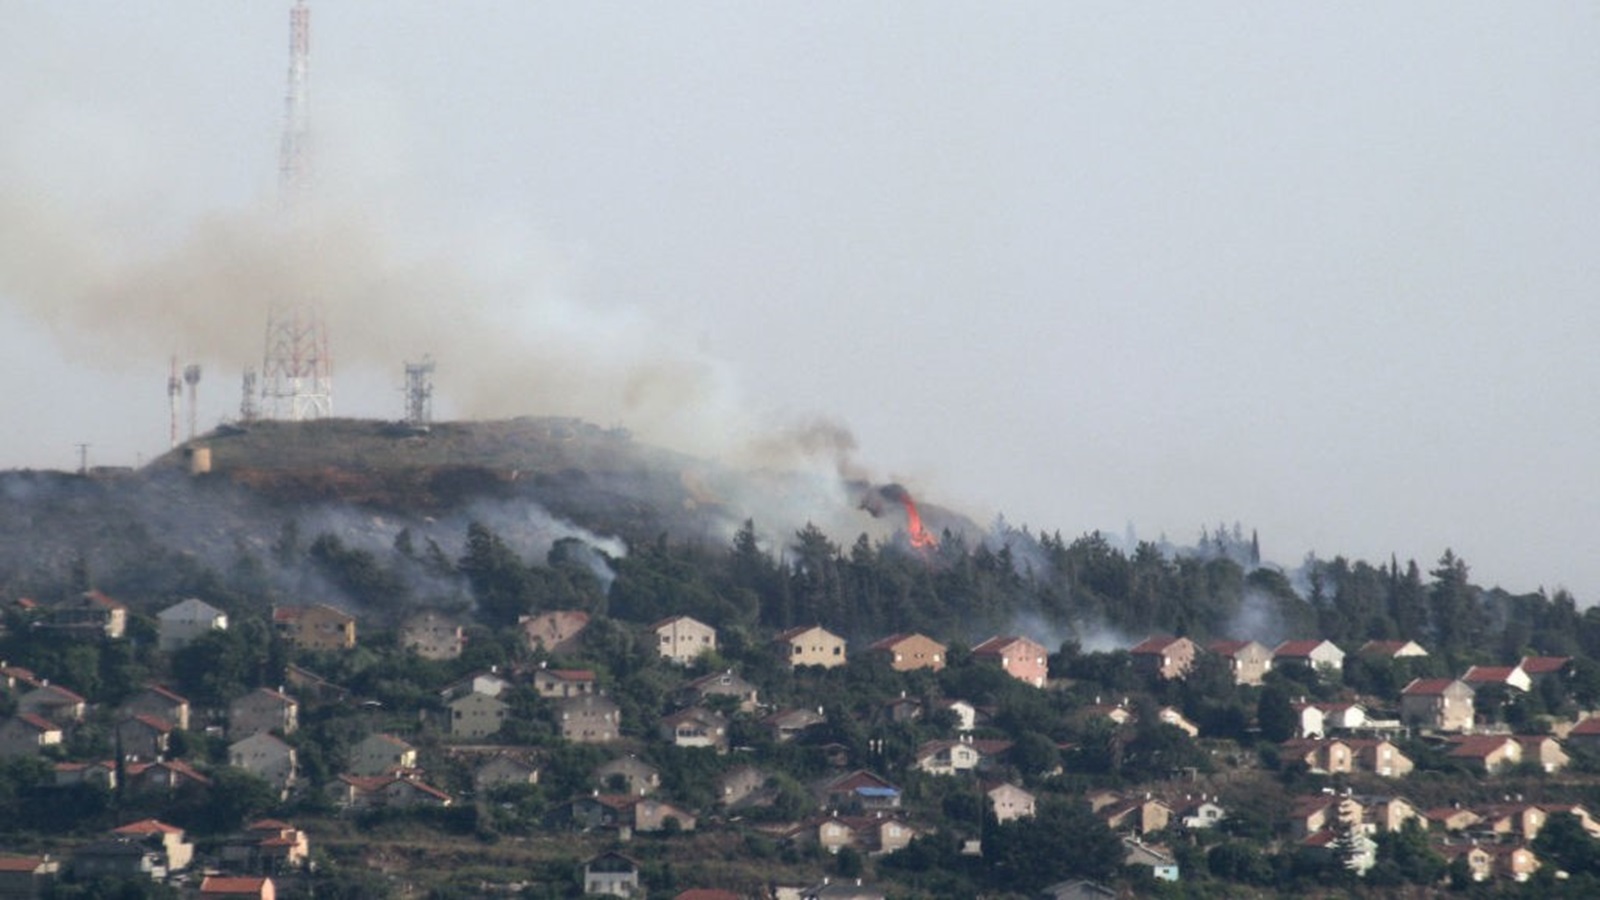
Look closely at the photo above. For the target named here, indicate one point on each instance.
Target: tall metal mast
(297, 372)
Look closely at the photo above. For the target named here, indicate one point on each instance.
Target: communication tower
(297, 369)
(419, 394)
(174, 391)
(191, 377)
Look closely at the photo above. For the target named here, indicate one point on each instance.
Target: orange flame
(921, 538)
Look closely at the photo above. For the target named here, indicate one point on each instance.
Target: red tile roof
(1154, 644)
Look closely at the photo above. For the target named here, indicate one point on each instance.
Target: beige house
(504, 770)
(172, 840)
(1317, 655)
(589, 719)
(1380, 757)
(90, 614)
(812, 646)
(431, 634)
(788, 724)
(1544, 751)
(263, 709)
(1392, 650)
(54, 702)
(143, 736)
(1486, 753)
(1248, 661)
(1443, 704)
(628, 775)
(906, 652)
(695, 727)
(1510, 676)
(1022, 658)
(160, 702)
(723, 684)
(1164, 657)
(1136, 815)
(268, 757)
(1388, 814)
(186, 620)
(683, 639)
(318, 627)
(558, 631)
(1007, 802)
(1329, 757)
(26, 734)
(947, 757)
(476, 715)
(381, 754)
(387, 792)
(557, 683)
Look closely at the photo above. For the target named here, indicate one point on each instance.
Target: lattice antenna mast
(174, 391)
(419, 393)
(297, 373)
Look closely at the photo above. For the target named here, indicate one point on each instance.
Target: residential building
(906, 652)
(740, 785)
(1022, 658)
(54, 702)
(27, 877)
(143, 737)
(268, 757)
(381, 754)
(1478, 677)
(119, 858)
(557, 683)
(1142, 814)
(387, 792)
(1543, 751)
(683, 639)
(612, 874)
(229, 887)
(90, 614)
(695, 727)
(812, 646)
(589, 719)
(504, 770)
(1161, 863)
(1316, 655)
(176, 850)
(317, 627)
(267, 845)
(1008, 801)
(1540, 668)
(556, 632)
(160, 702)
(1380, 757)
(476, 715)
(186, 620)
(1198, 811)
(26, 734)
(1486, 753)
(1392, 650)
(628, 775)
(1248, 661)
(723, 684)
(788, 724)
(432, 634)
(263, 709)
(1164, 657)
(859, 790)
(1442, 704)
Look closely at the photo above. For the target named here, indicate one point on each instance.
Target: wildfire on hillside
(920, 537)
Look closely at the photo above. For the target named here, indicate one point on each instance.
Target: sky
(1325, 270)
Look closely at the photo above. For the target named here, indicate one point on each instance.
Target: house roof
(656, 626)
(999, 643)
(568, 674)
(154, 723)
(1427, 687)
(894, 640)
(706, 894)
(21, 863)
(224, 884)
(1300, 649)
(792, 633)
(1544, 665)
(1155, 644)
(1230, 648)
(166, 693)
(1479, 746)
(147, 826)
(102, 600)
(37, 722)
(60, 692)
(1588, 727)
(191, 605)
(1489, 674)
(1385, 648)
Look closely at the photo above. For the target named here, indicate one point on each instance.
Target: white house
(185, 621)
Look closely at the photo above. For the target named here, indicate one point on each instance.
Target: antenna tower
(297, 367)
(191, 377)
(174, 390)
(419, 393)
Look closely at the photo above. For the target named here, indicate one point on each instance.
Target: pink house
(1023, 659)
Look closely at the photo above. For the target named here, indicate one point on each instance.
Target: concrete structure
(906, 652)
(590, 719)
(184, 621)
(1022, 658)
(1248, 661)
(318, 627)
(267, 757)
(431, 634)
(553, 684)
(812, 646)
(683, 639)
(476, 715)
(159, 702)
(1164, 657)
(381, 754)
(1442, 704)
(263, 709)
(723, 684)
(1317, 655)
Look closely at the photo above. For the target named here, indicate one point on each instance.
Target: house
(490, 683)
(743, 785)
(1324, 812)
(503, 770)
(1116, 713)
(143, 736)
(387, 792)
(431, 634)
(695, 727)
(842, 889)
(1316, 655)
(811, 646)
(722, 684)
(1486, 753)
(873, 835)
(788, 724)
(176, 850)
(1343, 716)
(122, 858)
(1478, 677)
(1390, 814)
(318, 627)
(1521, 821)
(556, 632)
(589, 719)
(1452, 818)
(1022, 658)
(268, 757)
(1543, 751)
(26, 734)
(1320, 756)
(1541, 668)
(162, 776)
(1484, 862)
(1248, 661)
(1392, 650)
(1008, 801)
(947, 757)
(1359, 852)
(1309, 720)
(628, 775)
(1164, 657)
(966, 715)
(1586, 734)
(612, 874)
(26, 877)
(1161, 863)
(263, 709)
(54, 702)
(555, 683)
(160, 702)
(903, 709)
(600, 811)
(859, 789)
(905, 652)
(90, 614)
(1078, 889)
(1380, 757)
(476, 715)
(267, 845)
(227, 887)
(648, 814)
(314, 687)
(1136, 815)
(381, 754)
(186, 620)
(14, 677)
(1198, 811)
(682, 639)
(101, 774)
(1442, 704)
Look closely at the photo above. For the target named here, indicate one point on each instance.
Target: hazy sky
(1329, 270)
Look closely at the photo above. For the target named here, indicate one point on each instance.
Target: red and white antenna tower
(297, 373)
